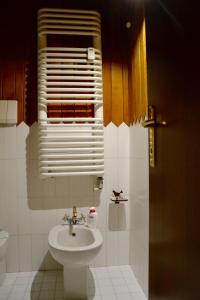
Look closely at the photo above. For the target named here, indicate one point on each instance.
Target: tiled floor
(110, 283)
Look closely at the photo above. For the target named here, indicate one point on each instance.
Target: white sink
(81, 237)
(74, 247)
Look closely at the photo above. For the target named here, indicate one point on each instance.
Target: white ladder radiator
(70, 76)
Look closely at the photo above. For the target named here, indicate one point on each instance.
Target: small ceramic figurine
(116, 194)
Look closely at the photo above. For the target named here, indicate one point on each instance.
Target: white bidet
(74, 247)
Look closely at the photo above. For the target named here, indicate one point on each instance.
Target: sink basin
(81, 237)
(77, 246)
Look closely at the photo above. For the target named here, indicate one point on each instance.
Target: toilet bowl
(74, 249)
(4, 236)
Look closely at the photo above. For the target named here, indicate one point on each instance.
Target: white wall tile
(9, 146)
(60, 214)
(100, 260)
(139, 179)
(22, 132)
(123, 171)
(22, 189)
(123, 247)
(123, 141)
(12, 255)
(82, 201)
(2, 142)
(81, 185)
(8, 178)
(42, 221)
(35, 185)
(24, 213)
(30, 207)
(111, 141)
(25, 253)
(37, 251)
(62, 187)
(32, 142)
(2, 268)
(101, 203)
(139, 205)
(10, 215)
(111, 248)
(49, 262)
(140, 266)
(38, 220)
(139, 220)
(38, 187)
(138, 141)
(3, 182)
(111, 176)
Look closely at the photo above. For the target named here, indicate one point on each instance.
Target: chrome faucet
(74, 220)
(74, 215)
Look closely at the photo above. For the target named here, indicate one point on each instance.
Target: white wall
(139, 204)
(30, 207)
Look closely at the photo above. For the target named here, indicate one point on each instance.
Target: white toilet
(74, 248)
(4, 236)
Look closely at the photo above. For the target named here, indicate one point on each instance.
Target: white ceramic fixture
(74, 246)
(70, 74)
(3, 243)
(4, 236)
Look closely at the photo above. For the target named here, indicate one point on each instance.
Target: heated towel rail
(70, 76)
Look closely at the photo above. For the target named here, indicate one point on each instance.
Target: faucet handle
(65, 218)
(81, 220)
(83, 217)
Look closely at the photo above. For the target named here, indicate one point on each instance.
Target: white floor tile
(3, 297)
(101, 282)
(25, 274)
(12, 275)
(5, 289)
(120, 289)
(118, 281)
(108, 283)
(109, 297)
(125, 296)
(22, 280)
(9, 281)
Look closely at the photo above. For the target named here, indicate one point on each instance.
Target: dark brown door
(173, 83)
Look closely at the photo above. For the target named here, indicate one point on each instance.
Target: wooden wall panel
(0, 85)
(12, 58)
(20, 82)
(115, 43)
(8, 80)
(117, 93)
(107, 93)
(13, 84)
(126, 98)
(138, 70)
(18, 59)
